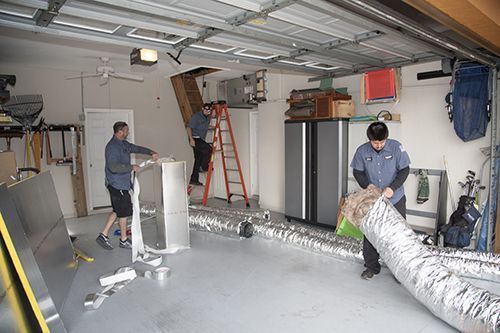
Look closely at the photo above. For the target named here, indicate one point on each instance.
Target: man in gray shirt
(197, 131)
(384, 163)
(119, 182)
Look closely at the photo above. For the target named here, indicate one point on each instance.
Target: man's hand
(155, 156)
(135, 167)
(388, 192)
(192, 142)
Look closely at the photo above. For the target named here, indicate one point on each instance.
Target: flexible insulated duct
(259, 213)
(220, 224)
(476, 265)
(304, 236)
(469, 264)
(456, 301)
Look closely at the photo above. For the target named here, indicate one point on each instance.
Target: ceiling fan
(105, 71)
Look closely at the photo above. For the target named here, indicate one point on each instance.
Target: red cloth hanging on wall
(380, 84)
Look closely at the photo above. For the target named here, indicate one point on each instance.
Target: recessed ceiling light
(146, 34)
(325, 67)
(255, 54)
(296, 62)
(213, 47)
(86, 27)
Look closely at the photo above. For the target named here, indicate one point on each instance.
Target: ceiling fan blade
(127, 76)
(82, 76)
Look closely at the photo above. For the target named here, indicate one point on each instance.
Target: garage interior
(261, 244)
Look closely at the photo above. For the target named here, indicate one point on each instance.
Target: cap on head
(377, 131)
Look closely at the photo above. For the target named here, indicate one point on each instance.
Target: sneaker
(367, 274)
(196, 183)
(126, 244)
(103, 240)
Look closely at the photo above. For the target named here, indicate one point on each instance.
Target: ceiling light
(149, 35)
(213, 47)
(144, 57)
(258, 21)
(16, 10)
(325, 67)
(296, 62)
(255, 54)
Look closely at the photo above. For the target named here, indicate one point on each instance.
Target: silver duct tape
(456, 301)
(93, 301)
(159, 274)
(220, 224)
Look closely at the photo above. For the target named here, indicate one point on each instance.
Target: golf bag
(458, 231)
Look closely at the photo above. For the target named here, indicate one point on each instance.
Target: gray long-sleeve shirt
(118, 165)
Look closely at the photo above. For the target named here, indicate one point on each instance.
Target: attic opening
(187, 92)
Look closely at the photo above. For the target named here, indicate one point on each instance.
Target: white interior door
(254, 152)
(98, 131)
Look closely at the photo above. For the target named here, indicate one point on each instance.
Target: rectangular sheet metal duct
(170, 190)
(43, 222)
(48, 276)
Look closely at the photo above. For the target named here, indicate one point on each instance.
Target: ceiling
(315, 37)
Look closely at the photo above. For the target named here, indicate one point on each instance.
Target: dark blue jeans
(202, 152)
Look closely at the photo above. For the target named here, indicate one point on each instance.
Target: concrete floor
(230, 285)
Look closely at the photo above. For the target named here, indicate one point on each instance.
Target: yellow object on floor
(80, 254)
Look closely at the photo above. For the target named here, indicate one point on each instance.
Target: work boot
(367, 274)
(103, 240)
(198, 183)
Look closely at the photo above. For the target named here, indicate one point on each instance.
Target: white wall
(272, 138)
(240, 123)
(158, 124)
(425, 131)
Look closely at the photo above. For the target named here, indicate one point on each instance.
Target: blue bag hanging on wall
(470, 101)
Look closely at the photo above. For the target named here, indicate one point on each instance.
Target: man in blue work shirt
(119, 182)
(197, 131)
(384, 163)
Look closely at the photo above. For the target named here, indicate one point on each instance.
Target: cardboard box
(343, 109)
(327, 108)
(8, 171)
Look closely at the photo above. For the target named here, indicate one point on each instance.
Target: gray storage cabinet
(315, 169)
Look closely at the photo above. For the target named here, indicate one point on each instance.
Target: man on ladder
(229, 157)
(197, 131)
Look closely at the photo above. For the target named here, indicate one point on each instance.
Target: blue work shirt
(199, 125)
(118, 167)
(381, 167)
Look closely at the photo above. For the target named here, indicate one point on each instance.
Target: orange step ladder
(220, 114)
